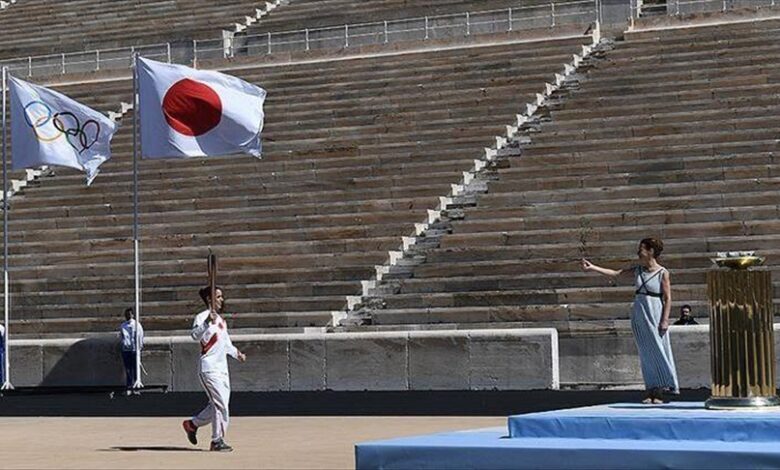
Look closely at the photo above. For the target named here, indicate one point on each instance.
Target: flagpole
(136, 244)
(6, 290)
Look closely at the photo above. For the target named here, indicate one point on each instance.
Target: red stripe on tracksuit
(205, 347)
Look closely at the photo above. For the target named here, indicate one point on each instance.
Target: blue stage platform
(676, 435)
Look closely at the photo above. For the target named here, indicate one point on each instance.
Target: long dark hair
(654, 244)
(205, 294)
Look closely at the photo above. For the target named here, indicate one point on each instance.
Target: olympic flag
(48, 128)
(186, 112)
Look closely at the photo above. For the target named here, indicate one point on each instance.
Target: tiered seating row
(671, 135)
(356, 152)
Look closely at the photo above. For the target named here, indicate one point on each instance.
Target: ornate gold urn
(742, 343)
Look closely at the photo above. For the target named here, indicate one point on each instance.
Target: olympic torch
(212, 270)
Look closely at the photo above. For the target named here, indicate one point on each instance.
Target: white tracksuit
(215, 346)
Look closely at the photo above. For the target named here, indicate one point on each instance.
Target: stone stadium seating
(328, 24)
(667, 132)
(356, 152)
(300, 14)
(672, 134)
(51, 26)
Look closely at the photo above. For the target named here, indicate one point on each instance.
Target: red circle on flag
(192, 108)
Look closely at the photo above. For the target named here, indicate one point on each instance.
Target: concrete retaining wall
(600, 359)
(512, 359)
(613, 359)
(691, 347)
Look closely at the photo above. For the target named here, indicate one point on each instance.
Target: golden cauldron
(742, 345)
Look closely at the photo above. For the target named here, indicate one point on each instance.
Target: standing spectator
(127, 333)
(685, 316)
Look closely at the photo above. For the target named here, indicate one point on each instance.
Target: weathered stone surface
(92, 361)
(426, 360)
(157, 360)
(594, 359)
(266, 367)
(307, 364)
(691, 349)
(367, 362)
(438, 361)
(505, 360)
(26, 365)
(184, 362)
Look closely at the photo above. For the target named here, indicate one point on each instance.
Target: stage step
(672, 422)
(675, 435)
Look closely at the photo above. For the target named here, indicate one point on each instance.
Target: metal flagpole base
(138, 384)
(736, 403)
(7, 386)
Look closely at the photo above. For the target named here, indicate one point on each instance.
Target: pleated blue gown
(655, 351)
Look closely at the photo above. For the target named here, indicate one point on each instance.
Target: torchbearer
(210, 329)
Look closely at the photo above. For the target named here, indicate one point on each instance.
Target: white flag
(195, 113)
(48, 128)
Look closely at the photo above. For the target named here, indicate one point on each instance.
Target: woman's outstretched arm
(587, 266)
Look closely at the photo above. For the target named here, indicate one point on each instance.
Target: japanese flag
(48, 128)
(196, 113)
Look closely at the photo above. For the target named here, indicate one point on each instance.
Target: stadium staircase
(670, 133)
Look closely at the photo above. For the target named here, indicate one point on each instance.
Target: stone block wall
(511, 359)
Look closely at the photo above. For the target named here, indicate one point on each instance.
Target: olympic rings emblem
(49, 126)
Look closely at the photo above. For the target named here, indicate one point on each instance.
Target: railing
(383, 32)
(346, 36)
(685, 7)
(5, 4)
(86, 61)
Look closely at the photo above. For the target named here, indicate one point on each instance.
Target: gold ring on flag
(38, 114)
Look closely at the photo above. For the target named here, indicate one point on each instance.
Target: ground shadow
(154, 449)
(94, 361)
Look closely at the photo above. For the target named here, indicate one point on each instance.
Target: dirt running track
(273, 443)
